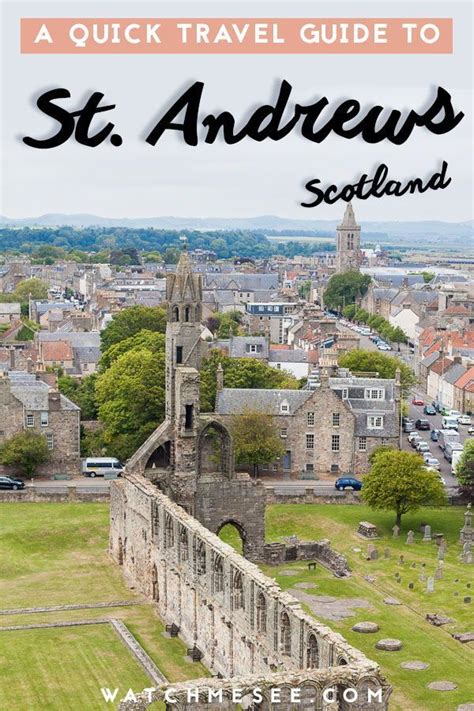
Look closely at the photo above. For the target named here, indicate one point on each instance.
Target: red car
(417, 401)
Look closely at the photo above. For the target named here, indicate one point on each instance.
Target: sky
(247, 179)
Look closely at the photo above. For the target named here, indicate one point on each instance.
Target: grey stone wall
(222, 604)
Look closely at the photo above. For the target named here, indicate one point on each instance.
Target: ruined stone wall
(222, 604)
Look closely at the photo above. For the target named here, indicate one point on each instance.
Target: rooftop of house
(10, 308)
(466, 379)
(75, 338)
(296, 355)
(34, 393)
(55, 351)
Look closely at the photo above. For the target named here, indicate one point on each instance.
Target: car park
(429, 410)
(422, 425)
(416, 400)
(348, 482)
(11, 483)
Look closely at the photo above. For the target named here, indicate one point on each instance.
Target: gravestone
(427, 534)
(401, 560)
(410, 538)
(374, 554)
(439, 537)
(386, 553)
(370, 549)
(466, 552)
(422, 577)
(440, 553)
(438, 573)
(466, 533)
(430, 585)
(395, 531)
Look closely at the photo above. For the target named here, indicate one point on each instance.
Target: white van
(455, 457)
(450, 423)
(450, 448)
(100, 466)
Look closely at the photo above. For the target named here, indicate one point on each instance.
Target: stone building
(178, 490)
(27, 403)
(348, 243)
(329, 430)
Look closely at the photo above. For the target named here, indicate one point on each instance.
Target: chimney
(54, 400)
(12, 358)
(29, 365)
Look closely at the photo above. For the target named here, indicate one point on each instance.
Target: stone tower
(189, 457)
(348, 243)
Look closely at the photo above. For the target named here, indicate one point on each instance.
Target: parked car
(450, 448)
(415, 441)
(408, 427)
(471, 430)
(417, 400)
(348, 482)
(429, 410)
(384, 347)
(464, 420)
(455, 413)
(422, 425)
(9, 482)
(434, 434)
(431, 461)
(413, 435)
(100, 466)
(449, 422)
(422, 447)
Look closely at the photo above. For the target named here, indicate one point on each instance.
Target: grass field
(449, 660)
(56, 554)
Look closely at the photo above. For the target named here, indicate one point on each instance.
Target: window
(237, 591)
(30, 420)
(261, 613)
(310, 419)
(375, 422)
(334, 468)
(252, 348)
(44, 419)
(284, 432)
(50, 440)
(335, 443)
(188, 419)
(362, 444)
(345, 393)
(310, 441)
(179, 354)
(309, 467)
(336, 419)
(284, 407)
(374, 394)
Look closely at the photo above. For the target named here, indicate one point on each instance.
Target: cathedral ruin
(180, 488)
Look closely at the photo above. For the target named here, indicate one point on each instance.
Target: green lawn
(448, 659)
(53, 554)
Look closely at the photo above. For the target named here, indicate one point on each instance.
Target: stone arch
(188, 313)
(169, 531)
(285, 633)
(224, 456)
(155, 591)
(200, 558)
(261, 613)
(175, 314)
(183, 544)
(240, 528)
(312, 652)
(160, 457)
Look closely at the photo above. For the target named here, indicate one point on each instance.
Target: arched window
(312, 653)
(175, 313)
(200, 558)
(169, 531)
(187, 314)
(285, 633)
(238, 591)
(183, 545)
(261, 613)
(218, 574)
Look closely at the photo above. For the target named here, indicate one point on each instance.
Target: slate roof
(87, 354)
(297, 355)
(32, 393)
(75, 338)
(238, 346)
(242, 281)
(42, 307)
(454, 373)
(234, 401)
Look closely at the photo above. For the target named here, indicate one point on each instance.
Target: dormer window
(374, 393)
(285, 406)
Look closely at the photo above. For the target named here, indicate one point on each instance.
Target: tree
(361, 361)
(349, 311)
(225, 325)
(343, 289)
(428, 276)
(82, 392)
(34, 288)
(465, 470)
(151, 340)
(399, 481)
(26, 451)
(130, 321)
(131, 399)
(304, 290)
(239, 373)
(256, 439)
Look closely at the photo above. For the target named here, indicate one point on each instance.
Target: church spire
(349, 218)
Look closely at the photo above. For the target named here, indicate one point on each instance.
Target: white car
(431, 462)
(422, 447)
(413, 435)
(455, 413)
(464, 420)
(384, 347)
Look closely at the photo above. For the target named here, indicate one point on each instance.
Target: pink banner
(236, 36)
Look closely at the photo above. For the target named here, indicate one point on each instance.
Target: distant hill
(424, 229)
